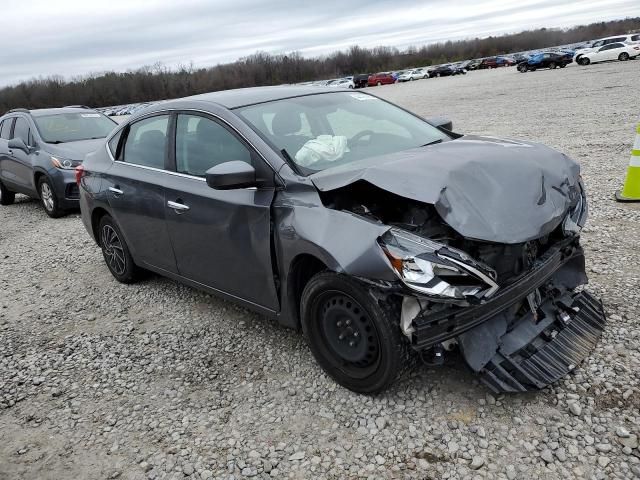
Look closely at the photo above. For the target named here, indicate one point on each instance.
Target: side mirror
(231, 175)
(441, 123)
(18, 144)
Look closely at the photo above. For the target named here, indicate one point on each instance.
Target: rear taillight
(79, 174)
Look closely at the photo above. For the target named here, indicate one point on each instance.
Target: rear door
(135, 189)
(221, 238)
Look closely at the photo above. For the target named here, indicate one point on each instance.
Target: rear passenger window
(146, 142)
(202, 143)
(21, 130)
(5, 132)
(635, 38)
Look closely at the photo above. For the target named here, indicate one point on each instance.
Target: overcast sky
(77, 37)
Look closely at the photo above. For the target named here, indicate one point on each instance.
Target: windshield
(72, 127)
(317, 132)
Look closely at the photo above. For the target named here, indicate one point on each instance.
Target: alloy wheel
(113, 250)
(47, 196)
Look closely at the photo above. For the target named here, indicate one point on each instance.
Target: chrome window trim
(169, 111)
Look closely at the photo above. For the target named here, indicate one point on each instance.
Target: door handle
(116, 191)
(177, 207)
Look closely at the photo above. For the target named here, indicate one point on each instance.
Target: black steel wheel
(6, 196)
(354, 339)
(116, 252)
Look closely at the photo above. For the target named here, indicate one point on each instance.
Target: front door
(221, 238)
(135, 188)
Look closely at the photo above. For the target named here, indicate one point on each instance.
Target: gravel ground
(156, 380)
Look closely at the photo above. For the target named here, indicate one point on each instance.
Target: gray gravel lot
(156, 380)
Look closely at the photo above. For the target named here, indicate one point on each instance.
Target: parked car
(442, 71)
(474, 64)
(39, 150)
(361, 80)
(491, 62)
(611, 51)
(379, 238)
(595, 46)
(543, 60)
(380, 79)
(410, 75)
(342, 83)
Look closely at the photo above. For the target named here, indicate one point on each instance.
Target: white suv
(632, 38)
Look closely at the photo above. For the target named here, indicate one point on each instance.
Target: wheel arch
(96, 216)
(301, 269)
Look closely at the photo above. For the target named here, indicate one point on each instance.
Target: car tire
(437, 75)
(623, 57)
(524, 68)
(379, 83)
(7, 197)
(562, 65)
(354, 338)
(585, 61)
(116, 252)
(48, 198)
(552, 65)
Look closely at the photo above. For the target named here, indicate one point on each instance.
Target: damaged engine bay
(517, 311)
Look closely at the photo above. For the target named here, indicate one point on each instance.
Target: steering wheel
(359, 136)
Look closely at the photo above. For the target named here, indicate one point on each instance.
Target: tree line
(159, 82)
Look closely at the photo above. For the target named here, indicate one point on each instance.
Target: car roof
(56, 111)
(249, 96)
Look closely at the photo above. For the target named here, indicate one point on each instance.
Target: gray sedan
(385, 237)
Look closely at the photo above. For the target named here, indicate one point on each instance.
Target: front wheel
(585, 61)
(379, 83)
(552, 65)
(356, 340)
(524, 68)
(623, 57)
(6, 197)
(48, 198)
(116, 251)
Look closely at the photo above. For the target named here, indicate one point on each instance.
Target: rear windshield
(72, 127)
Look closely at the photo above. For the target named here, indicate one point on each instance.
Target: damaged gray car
(385, 237)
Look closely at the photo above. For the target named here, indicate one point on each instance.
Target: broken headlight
(435, 269)
(577, 216)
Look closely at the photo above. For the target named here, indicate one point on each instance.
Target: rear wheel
(356, 340)
(116, 252)
(524, 67)
(6, 197)
(48, 198)
(623, 57)
(552, 65)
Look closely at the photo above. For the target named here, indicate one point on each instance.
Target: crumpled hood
(485, 188)
(74, 150)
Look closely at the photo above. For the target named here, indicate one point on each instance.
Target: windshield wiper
(432, 143)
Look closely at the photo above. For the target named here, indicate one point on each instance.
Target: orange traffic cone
(631, 190)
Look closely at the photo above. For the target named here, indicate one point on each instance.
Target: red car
(380, 79)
